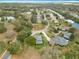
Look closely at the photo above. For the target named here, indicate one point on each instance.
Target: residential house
(9, 18)
(67, 35)
(59, 41)
(38, 39)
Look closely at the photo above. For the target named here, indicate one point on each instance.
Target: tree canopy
(14, 48)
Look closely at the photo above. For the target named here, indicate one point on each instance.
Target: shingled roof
(38, 39)
(59, 40)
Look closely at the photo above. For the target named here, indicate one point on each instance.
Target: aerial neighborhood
(39, 31)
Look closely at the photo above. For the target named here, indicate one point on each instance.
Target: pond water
(74, 24)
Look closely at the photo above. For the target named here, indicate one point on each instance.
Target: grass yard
(32, 51)
(50, 34)
(31, 41)
(2, 47)
(45, 42)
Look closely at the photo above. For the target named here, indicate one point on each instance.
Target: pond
(74, 24)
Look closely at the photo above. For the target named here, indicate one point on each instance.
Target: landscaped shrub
(34, 19)
(23, 34)
(44, 22)
(30, 41)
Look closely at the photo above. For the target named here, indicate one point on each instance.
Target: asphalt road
(61, 17)
(6, 55)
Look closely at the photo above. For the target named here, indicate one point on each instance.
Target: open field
(30, 53)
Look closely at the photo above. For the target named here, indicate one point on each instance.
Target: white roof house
(31, 9)
(9, 18)
(70, 21)
(28, 12)
(38, 39)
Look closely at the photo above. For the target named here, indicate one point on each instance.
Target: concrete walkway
(40, 31)
(48, 39)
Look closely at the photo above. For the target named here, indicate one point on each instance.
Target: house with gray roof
(38, 39)
(59, 40)
(67, 35)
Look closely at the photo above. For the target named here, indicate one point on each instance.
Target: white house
(9, 18)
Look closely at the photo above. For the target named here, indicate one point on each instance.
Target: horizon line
(38, 1)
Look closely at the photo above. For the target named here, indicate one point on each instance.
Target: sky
(38, 1)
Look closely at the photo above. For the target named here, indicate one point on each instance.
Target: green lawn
(31, 41)
(2, 47)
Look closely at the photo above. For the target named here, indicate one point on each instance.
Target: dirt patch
(38, 26)
(10, 32)
(77, 32)
(30, 53)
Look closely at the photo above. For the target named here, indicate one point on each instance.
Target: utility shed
(59, 40)
(67, 35)
(38, 39)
